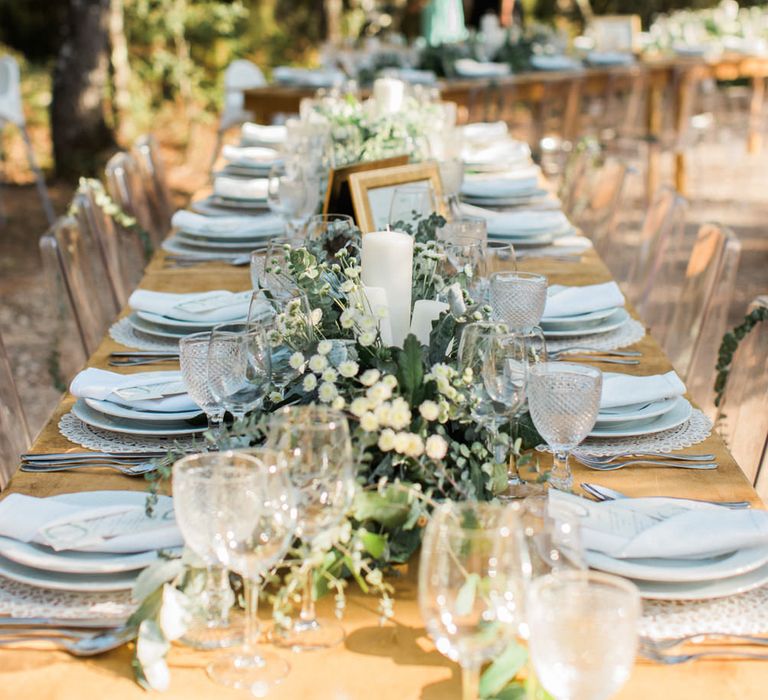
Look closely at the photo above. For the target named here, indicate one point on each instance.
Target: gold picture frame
(373, 215)
(337, 197)
(615, 32)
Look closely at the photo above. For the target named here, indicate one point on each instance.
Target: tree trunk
(121, 71)
(80, 84)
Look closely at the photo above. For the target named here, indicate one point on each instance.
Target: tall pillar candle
(387, 262)
(388, 94)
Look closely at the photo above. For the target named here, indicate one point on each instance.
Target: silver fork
(595, 459)
(122, 467)
(613, 466)
(77, 644)
(651, 652)
(580, 348)
(665, 644)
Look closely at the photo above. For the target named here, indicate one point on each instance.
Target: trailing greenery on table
(414, 440)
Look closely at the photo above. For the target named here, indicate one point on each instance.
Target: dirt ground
(726, 185)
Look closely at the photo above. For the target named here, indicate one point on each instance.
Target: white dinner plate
(637, 412)
(176, 246)
(156, 331)
(679, 413)
(536, 239)
(239, 246)
(55, 580)
(37, 556)
(179, 325)
(609, 323)
(236, 203)
(244, 238)
(681, 570)
(522, 197)
(576, 318)
(704, 590)
(112, 409)
(90, 416)
(579, 324)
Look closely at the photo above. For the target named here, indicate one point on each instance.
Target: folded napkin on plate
(574, 301)
(240, 188)
(469, 67)
(525, 221)
(250, 155)
(274, 134)
(485, 131)
(99, 384)
(556, 62)
(626, 390)
(266, 223)
(561, 246)
(500, 186)
(661, 528)
(307, 76)
(222, 305)
(115, 528)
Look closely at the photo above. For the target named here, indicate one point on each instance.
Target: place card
(212, 303)
(151, 391)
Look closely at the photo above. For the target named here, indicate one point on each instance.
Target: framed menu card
(337, 197)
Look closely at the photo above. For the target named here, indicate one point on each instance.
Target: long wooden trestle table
(486, 99)
(397, 660)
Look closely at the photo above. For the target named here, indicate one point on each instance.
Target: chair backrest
(155, 183)
(14, 432)
(122, 250)
(742, 419)
(579, 169)
(67, 348)
(655, 274)
(700, 315)
(125, 186)
(598, 219)
(239, 76)
(11, 109)
(87, 280)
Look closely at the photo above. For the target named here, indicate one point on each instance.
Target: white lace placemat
(746, 613)
(124, 333)
(92, 438)
(22, 600)
(626, 334)
(693, 431)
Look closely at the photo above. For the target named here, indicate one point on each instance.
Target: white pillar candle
(379, 307)
(388, 94)
(424, 312)
(387, 262)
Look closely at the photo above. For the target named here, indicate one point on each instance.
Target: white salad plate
(115, 424)
(598, 315)
(678, 415)
(735, 563)
(159, 332)
(237, 203)
(59, 581)
(112, 409)
(621, 414)
(176, 246)
(191, 326)
(609, 323)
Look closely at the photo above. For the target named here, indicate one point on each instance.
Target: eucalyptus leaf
(390, 510)
(465, 599)
(504, 668)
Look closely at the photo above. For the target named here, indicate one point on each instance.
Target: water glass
(193, 360)
(462, 255)
(316, 443)
(411, 204)
(239, 366)
(293, 192)
(583, 633)
(451, 178)
(239, 509)
(330, 226)
(470, 585)
(518, 298)
(563, 399)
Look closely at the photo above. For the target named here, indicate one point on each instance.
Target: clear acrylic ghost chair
(742, 419)
(125, 186)
(657, 266)
(122, 250)
(11, 111)
(155, 183)
(701, 313)
(240, 75)
(579, 169)
(14, 431)
(87, 280)
(67, 348)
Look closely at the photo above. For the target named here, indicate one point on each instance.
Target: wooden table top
(397, 660)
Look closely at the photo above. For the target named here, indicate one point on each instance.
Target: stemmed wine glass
(239, 366)
(470, 585)
(316, 443)
(330, 225)
(293, 193)
(240, 510)
(518, 299)
(583, 633)
(193, 360)
(563, 399)
(269, 264)
(505, 374)
(410, 204)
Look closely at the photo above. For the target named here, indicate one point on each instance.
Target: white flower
(330, 375)
(151, 648)
(359, 406)
(429, 410)
(400, 416)
(174, 613)
(348, 368)
(310, 382)
(352, 272)
(339, 403)
(368, 422)
(347, 318)
(370, 377)
(297, 361)
(387, 440)
(415, 446)
(379, 392)
(317, 363)
(383, 413)
(347, 286)
(368, 323)
(390, 380)
(324, 347)
(275, 396)
(437, 447)
(327, 392)
(366, 339)
(316, 316)
(402, 441)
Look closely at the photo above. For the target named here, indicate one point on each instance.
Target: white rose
(387, 440)
(429, 410)
(327, 392)
(370, 377)
(348, 368)
(368, 422)
(324, 347)
(317, 363)
(296, 361)
(437, 447)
